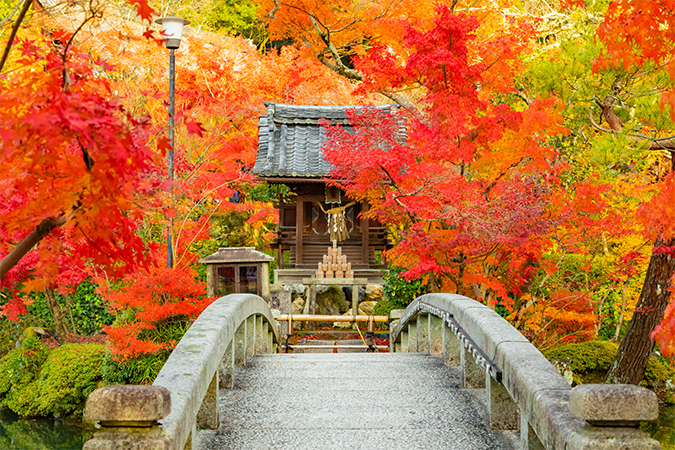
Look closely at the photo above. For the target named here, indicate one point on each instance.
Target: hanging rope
(337, 224)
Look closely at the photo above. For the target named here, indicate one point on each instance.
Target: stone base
(603, 438)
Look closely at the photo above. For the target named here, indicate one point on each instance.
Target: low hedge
(590, 362)
(37, 381)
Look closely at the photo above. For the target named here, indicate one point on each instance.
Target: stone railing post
(250, 336)
(473, 374)
(404, 341)
(394, 318)
(451, 347)
(502, 410)
(128, 417)
(240, 344)
(281, 301)
(412, 336)
(269, 347)
(264, 348)
(423, 333)
(260, 334)
(208, 414)
(435, 335)
(226, 369)
(614, 412)
(528, 438)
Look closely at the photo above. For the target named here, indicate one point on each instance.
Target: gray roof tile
(236, 255)
(290, 139)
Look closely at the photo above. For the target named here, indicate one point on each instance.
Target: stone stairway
(351, 401)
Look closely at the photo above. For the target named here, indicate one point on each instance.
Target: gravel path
(351, 401)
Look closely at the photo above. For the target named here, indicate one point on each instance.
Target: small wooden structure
(290, 138)
(238, 270)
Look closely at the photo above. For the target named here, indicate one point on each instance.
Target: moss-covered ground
(590, 361)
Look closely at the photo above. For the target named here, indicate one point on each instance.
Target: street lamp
(172, 28)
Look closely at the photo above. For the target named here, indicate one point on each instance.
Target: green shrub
(143, 369)
(658, 372)
(590, 362)
(11, 331)
(70, 373)
(170, 329)
(383, 307)
(19, 370)
(592, 356)
(22, 364)
(36, 381)
(140, 370)
(400, 291)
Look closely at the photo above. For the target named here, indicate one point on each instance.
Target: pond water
(43, 434)
(39, 434)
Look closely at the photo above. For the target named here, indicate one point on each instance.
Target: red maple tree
(467, 185)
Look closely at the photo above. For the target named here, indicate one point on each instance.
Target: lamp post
(172, 28)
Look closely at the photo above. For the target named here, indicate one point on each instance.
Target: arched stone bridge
(458, 377)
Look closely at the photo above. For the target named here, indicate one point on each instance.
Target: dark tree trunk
(59, 315)
(636, 347)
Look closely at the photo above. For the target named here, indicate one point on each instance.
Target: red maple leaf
(13, 309)
(194, 127)
(150, 35)
(163, 144)
(144, 10)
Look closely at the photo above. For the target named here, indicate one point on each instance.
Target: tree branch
(499, 177)
(340, 68)
(15, 29)
(10, 15)
(665, 143)
(616, 126)
(402, 101)
(335, 63)
(40, 232)
(273, 13)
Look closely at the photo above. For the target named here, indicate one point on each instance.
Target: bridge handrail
(541, 394)
(193, 366)
(193, 363)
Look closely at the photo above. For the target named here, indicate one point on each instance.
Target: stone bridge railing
(523, 390)
(184, 396)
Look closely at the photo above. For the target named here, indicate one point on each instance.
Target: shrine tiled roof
(290, 139)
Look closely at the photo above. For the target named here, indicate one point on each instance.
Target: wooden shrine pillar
(282, 222)
(365, 235)
(299, 229)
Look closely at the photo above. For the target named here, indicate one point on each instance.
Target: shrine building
(289, 153)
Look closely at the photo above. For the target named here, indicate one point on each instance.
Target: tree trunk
(636, 347)
(59, 315)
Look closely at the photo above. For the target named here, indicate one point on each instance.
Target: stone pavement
(351, 401)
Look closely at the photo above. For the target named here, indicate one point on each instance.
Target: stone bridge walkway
(352, 401)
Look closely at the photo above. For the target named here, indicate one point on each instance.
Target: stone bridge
(458, 376)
